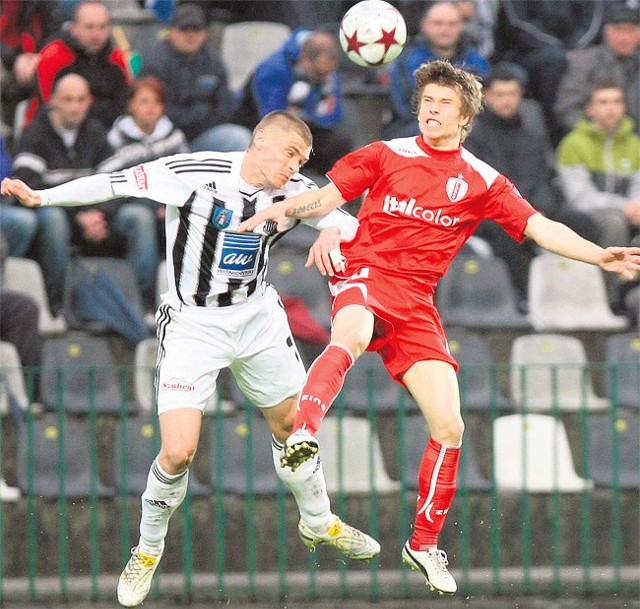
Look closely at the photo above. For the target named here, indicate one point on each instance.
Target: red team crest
(456, 188)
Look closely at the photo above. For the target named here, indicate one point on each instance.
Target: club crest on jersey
(221, 217)
(456, 188)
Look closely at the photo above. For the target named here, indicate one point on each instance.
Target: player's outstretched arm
(24, 194)
(560, 239)
(310, 204)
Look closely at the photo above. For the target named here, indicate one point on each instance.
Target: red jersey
(422, 205)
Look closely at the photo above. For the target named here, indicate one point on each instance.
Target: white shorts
(253, 339)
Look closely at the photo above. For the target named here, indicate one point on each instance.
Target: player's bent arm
(560, 239)
(314, 203)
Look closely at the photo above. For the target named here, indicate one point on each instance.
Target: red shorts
(407, 325)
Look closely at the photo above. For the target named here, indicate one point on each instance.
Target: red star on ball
(388, 39)
(353, 44)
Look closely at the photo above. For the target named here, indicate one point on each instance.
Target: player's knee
(176, 459)
(449, 432)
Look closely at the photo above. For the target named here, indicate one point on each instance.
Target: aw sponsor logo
(394, 207)
(177, 385)
(239, 255)
(140, 177)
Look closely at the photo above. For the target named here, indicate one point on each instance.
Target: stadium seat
(25, 276)
(613, 444)
(551, 371)
(566, 294)
(245, 44)
(240, 455)
(136, 445)
(416, 436)
(78, 371)
(622, 375)
(368, 384)
(477, 292)
(54, 459)
(478, 373)
(289, 276)
(352, 457)
(531, 452)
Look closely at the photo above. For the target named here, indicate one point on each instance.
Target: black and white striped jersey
(209, 264)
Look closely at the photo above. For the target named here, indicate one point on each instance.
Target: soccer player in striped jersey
(426, 195)
(221, 312)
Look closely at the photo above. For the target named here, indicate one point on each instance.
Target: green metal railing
(224, 545)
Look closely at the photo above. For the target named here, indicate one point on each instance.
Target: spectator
(501, 138)
(441, 37)
(536, 35)
(61, 144)
(599, 166)
(85, 48)
(198, 98)
(144, 134)
(25, 27)
(303, 78)
(617, 56)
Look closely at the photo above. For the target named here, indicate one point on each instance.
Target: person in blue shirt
(441, 36)
(302, 77)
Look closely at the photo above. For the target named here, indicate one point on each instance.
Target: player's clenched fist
(20, 191)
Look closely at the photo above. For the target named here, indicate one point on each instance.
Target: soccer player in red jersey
(426, 196)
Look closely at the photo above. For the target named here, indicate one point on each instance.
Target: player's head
(465, 87)
(280, 145)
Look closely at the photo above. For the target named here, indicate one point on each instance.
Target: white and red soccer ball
(372, 33)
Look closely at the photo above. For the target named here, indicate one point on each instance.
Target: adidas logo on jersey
(394, 207)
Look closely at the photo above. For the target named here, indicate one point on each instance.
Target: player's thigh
(190, 357)
(352, 327)
(179, 433)
(269, 370)
(434, 386)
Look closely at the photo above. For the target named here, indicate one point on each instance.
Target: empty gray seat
(622, 358)
(78, 371)
(477, 292)
(55, 459)
(614, 457)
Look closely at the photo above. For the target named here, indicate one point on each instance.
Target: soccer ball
(372, 33)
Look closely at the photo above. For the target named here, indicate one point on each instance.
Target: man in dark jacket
(85, 48)
(198, 98)
(501, 138)
(62, 144)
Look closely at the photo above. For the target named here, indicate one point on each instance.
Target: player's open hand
(325, 252)
(623, 260)
(275, 213)
(20, 191)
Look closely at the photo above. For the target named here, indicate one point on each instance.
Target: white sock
(309, 489)
(163, 495)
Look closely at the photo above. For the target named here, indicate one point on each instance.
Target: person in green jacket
(599, 167)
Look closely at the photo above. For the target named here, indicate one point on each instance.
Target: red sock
(436, 489)
(323, 383)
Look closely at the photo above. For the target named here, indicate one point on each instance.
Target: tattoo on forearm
(303, 210)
